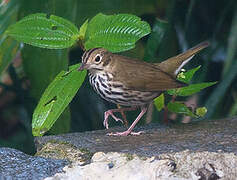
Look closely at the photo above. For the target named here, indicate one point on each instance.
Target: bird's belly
(116, 93)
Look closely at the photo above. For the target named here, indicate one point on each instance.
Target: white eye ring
(98, 58)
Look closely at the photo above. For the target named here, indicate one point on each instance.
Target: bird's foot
(106, 115)
(125, 133)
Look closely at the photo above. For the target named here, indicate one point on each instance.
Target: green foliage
(156, 37)
(45, 31)
(82, 31)
(160, 102)
(178, 107)
(229, 74)
(115, 33)
(41, 67)
(8, 49)
(187, 76)
(8, 46)
(190, 89)
(119, 33)
(220, 90)
(62, 124)
(8, 14)
(56, 98)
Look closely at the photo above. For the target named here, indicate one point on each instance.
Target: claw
(106, 115)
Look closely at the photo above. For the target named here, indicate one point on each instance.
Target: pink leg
(129, 131)
(110, 113)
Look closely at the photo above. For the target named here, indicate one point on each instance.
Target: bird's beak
(82, 67)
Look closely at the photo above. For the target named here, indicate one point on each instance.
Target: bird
(132, 83)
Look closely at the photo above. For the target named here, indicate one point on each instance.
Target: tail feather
(174, 64)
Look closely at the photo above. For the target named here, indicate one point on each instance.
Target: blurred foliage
(189, 22)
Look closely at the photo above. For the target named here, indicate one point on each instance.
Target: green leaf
(201, 111)
(82, 31)
(115, 33)
(159, 102)
(191, 89)
(187, 76)
(56, 98)
(158, 31)
(45, 31)
(63, 123)
(178, 107)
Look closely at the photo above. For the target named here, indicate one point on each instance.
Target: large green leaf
(63, 123)
(115, 32)
(56, 98)
(191, 89)
(45, 31)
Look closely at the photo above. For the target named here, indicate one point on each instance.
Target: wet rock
(15, 164)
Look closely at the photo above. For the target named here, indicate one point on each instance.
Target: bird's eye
(98, 58)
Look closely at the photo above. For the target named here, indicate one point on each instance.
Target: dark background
(32, 69)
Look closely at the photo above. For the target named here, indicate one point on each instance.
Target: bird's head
(95, 59)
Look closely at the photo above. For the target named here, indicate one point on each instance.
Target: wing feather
(141, 76)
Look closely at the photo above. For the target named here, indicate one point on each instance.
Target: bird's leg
(110, 113)
(125, 121)
(129, 131)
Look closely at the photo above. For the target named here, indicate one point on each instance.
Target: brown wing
(141, 76)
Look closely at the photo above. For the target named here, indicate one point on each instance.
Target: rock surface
(15, 164)
(198, 151)
(212, 136)
(184, 165)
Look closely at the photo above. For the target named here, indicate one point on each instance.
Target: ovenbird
(131, 82)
